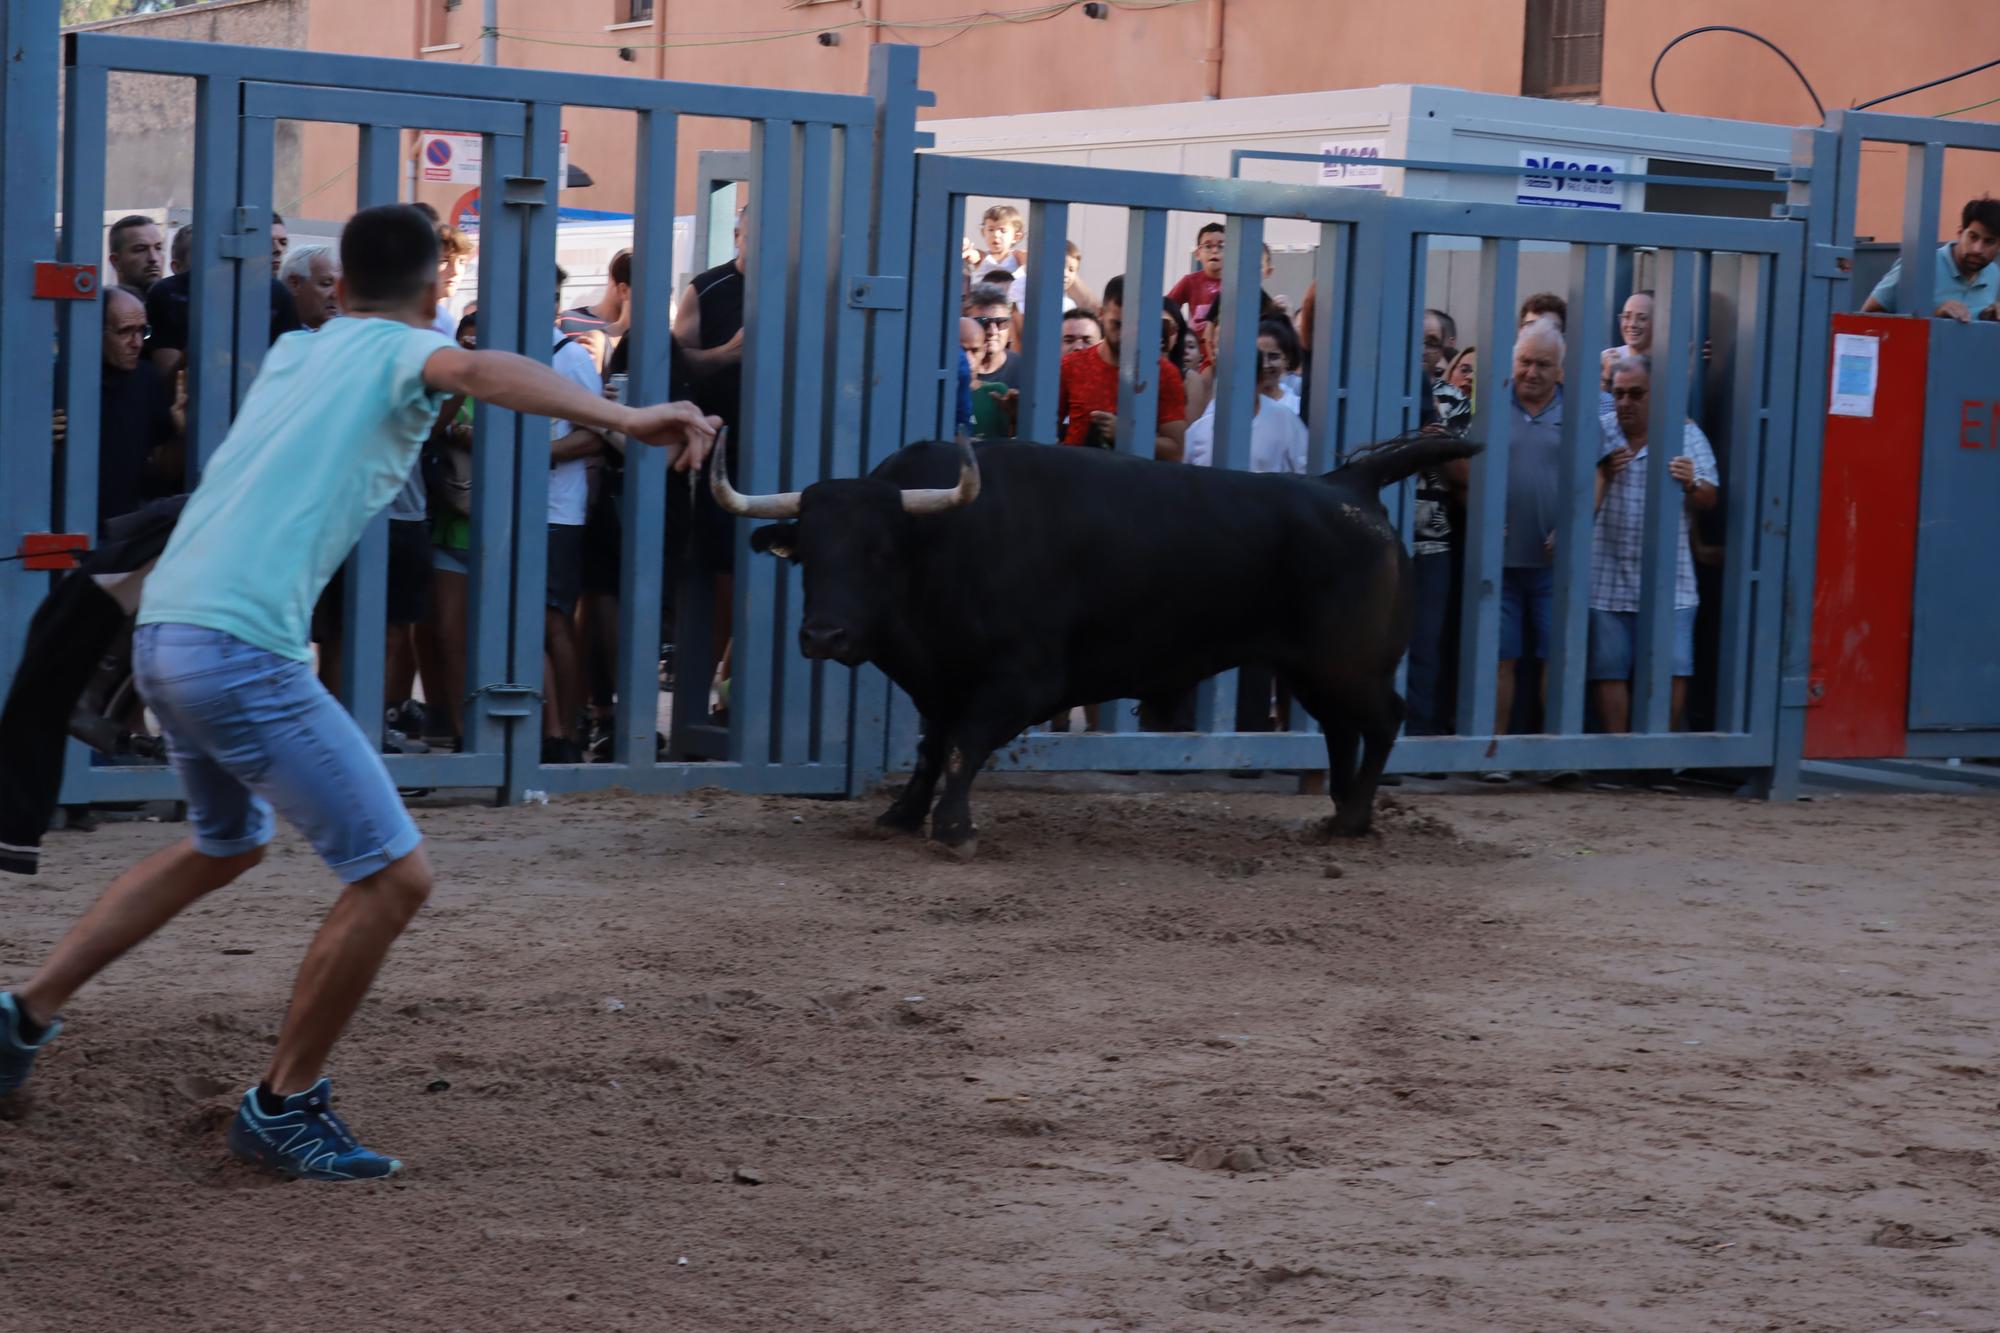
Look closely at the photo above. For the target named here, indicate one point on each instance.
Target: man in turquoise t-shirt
(323, 442)
(1967, 285)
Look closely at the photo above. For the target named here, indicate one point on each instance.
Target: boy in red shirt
(1088, 396)
(1196, 291)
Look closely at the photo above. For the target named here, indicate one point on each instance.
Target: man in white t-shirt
(571, 448)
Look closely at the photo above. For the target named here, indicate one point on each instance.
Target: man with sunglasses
(1618, 547)
(993, 362)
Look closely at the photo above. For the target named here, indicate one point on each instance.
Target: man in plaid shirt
(1618, 547)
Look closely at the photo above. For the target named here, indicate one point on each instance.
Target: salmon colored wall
(1852, 50)
(1066, 62)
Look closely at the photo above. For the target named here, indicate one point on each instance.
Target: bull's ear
(777, 539)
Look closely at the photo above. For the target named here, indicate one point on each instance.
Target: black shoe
(561, 750)
(598, 748)
(408, 717)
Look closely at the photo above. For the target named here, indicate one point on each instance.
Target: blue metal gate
(1365, 382)
(852, 287)
(822, 282)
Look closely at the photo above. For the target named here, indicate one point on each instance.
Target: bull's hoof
(960, 852)
(896, 823)
(1337, 826)
(961, 841)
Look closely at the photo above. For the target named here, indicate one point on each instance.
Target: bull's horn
(953, 497)
(782, 505)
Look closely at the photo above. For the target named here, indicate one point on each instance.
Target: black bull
(1002, 587)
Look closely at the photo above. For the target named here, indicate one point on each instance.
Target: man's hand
(59, 428)
(179, 411)
(1953, 310)
(1991, 312)
(675, 424)
(1104, 427)
(1682, 470)
(1617, 460)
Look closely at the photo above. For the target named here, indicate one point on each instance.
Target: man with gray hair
(311, 273)
(1618, 547)
(1534, 474)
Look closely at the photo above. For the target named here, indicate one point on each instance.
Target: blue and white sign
(1355, 163)
(1571, 191)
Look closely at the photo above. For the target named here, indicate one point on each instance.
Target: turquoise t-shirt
(323, 441)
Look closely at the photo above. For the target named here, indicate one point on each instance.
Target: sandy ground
(1528, 1060)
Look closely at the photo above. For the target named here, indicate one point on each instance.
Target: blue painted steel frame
(813, 149)
(1368, 267)
(1824, 189)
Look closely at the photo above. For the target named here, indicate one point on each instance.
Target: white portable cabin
(1350, 128)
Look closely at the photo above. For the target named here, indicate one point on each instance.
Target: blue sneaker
(17, 1055)
(306, 1139)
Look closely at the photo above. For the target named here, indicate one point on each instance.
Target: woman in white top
(1277, 435)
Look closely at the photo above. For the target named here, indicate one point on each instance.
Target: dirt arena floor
(1528, 1060)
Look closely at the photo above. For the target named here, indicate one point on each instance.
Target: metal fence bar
(1741, 492)
(1048, 232)
(1653, 652)
(1326, 399)
(294, 101)
(933, 347)
(1923, 188)
(1138, 357)
(814, 299)
(893, 177)
(1486, 506)
(364, 588)
(1362, 310)
(1590, 306)
(1787, 518)
(211, 280)
(642, 507)
(533, 193)
(1235, 403)
(1138, 383)
(28, 94)
(79, 324)
(249, 244)
(834, 686)
(152, 55)
(767, 243)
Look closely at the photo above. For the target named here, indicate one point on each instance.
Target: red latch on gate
(51, 550)
(65, 282)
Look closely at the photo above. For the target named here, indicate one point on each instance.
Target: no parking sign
(446, 157)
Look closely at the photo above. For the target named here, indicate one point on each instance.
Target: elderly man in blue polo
(1968, 281)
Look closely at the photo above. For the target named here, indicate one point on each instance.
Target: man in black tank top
(708, 330)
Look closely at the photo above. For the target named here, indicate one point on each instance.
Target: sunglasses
(993, 321)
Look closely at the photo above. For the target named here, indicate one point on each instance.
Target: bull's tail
(1383, 464)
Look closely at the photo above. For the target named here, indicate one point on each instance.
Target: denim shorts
(248, 730)
(1527, 608)
(1614, 639)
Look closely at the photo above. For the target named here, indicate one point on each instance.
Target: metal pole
(489, 34)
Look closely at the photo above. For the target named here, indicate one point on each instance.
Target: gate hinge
(56, 281)
(525, 191)
(248, 240)
(507, 699)
(872, 292)
(1827, 261)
